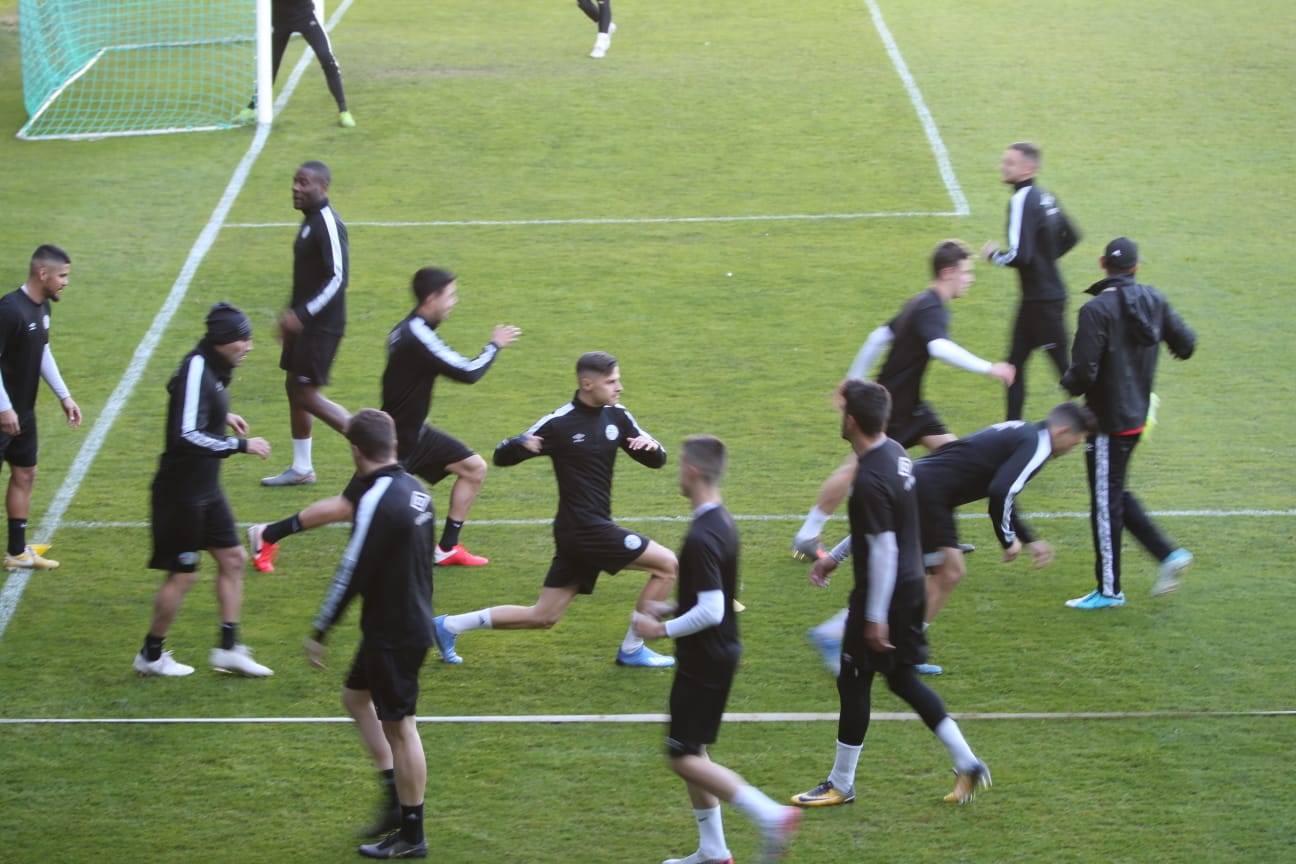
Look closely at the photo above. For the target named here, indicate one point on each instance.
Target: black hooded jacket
(1114, 357)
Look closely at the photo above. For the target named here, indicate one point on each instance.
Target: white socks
(758, 806)
(711, 839)
(843, 772)
(457, 624)
(813, 525)
(302, 456)
(952, 737)
(632, 641)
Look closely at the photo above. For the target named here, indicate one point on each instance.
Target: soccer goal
(99, 68)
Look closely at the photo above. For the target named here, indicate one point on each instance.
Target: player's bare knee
(473, 469)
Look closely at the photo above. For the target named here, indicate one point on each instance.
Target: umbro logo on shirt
(578, 438)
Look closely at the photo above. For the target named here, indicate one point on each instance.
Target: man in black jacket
(1041, 316)
(190, 512)
(1113, 363)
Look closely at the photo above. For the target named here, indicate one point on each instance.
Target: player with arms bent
(582, 439)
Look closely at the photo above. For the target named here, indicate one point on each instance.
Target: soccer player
(582, 439)
(600, 12)
(388, 561)
(918, 333)
(313, 324)
(298, 16)
(1113, 364)
(884, 633)
(25, 358)
(1041, 315)
(708, 648)
(416, 355)
(190, 512)
(994, 463)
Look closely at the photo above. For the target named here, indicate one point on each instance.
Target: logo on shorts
(633, 541)
(611, 432)
(187, 559)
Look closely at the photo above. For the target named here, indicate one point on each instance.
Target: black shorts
(433, 452)
(583, 553)
(1040, 324)
(907, 609)
(183, 529)
(937, 523)
(696, 708)
(391, 675)
(919, 424)
(307, 356)
(20, 450)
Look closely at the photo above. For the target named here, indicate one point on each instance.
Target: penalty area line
(743, 717)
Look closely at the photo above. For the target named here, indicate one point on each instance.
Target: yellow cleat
(824, 795)
(30, 559)
(967, 783)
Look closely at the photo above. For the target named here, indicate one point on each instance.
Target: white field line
(791, 517)
(770, 717)
(53, 518)
(645, 220)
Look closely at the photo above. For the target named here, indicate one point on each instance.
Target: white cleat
(165, 666)
(601, 45)
(238, 661)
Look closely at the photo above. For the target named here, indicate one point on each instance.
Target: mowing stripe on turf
(631, 220)
(785, 517)
(53, 518)
(766, 717)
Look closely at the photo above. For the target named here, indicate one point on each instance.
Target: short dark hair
(948, 253)
(319, 169)
(1073, 416)
(46, 254)
(707, 454)
(595, 363)
(373, 433)
(1027, 149)
(429, 282)
(868, 404)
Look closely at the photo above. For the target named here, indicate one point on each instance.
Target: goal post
(100, 68)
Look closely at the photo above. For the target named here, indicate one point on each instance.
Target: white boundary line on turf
(647, 220)
(786, 517)
(53, 518)
(924, 116)
(769, 717)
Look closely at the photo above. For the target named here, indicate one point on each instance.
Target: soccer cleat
(1097, 600)
(829, 649)
(290, 477)
(458, 556)
(601, 44)
(696, 858)
(392, 846)
(388, 819)
(824, 795)
(808, 550)
(645, 657)
(247, 115)
(966, 548)
(30, 559)
(345, 120)
(263, 553)
(445, 641)
(927, 669)
(967, 783)
(238, 661)
(1172, 568)
(163, 667)
(775, 837)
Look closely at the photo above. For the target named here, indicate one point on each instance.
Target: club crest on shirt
(611, 432)
(45, 322)
(305, 231)
(633, 541)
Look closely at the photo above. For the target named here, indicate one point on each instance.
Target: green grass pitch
(654, 204)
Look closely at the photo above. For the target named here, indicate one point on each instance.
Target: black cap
(226, 323)
(1122, 254)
